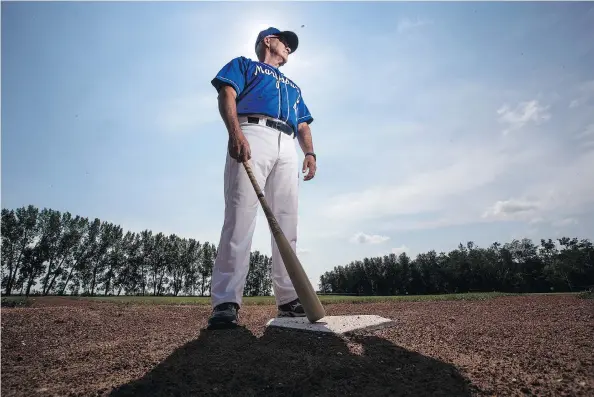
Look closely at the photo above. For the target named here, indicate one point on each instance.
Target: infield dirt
(519, 345)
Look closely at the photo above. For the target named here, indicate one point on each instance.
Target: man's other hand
(239, 148)
(309, 164)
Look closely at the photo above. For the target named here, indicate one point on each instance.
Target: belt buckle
(278, 125)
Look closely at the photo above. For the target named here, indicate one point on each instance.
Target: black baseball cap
(291, 37)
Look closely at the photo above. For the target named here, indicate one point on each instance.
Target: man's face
(279, 46)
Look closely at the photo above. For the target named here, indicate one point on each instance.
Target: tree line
(49, 252)
(562, 265)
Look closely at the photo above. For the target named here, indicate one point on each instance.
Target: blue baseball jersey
(263, 89)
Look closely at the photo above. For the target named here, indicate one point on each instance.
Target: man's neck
(273, 60)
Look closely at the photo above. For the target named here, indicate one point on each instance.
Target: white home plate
(332, 324)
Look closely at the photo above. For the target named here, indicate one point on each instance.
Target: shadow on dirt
(290, 363)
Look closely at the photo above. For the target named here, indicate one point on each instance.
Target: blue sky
(435, 123)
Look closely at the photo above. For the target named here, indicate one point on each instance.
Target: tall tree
(20, 228)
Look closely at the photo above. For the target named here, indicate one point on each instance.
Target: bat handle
(253, 179)
(274, 226)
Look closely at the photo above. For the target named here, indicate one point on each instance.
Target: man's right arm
(228, 110)
(229, 82)
(238, 146)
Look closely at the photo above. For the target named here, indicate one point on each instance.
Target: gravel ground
(521, 345)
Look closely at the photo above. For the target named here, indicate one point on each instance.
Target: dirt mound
(506, 346)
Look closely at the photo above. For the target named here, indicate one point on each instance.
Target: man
(263, 112)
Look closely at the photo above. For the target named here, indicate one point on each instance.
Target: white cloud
(465, 185)
(422, 191)
(407, 24)
(564, 187)
(586, 136)
(512, 208)
(585, 93)
(562, 190)
(400, 250)
(524, 113)
(303, 251)
(565, 222)
(588, 132)
(362, 238)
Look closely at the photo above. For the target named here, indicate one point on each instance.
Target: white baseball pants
(274, 164)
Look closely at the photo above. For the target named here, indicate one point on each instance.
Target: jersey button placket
(279, 98)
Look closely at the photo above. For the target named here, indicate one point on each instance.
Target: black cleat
(224, 316)
(291, 309)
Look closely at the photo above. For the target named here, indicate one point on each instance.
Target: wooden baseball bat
(307, 295)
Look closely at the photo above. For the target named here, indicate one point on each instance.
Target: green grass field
(269, 300)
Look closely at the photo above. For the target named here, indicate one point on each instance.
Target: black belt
(277, 125)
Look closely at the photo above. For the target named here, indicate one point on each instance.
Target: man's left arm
(305, 141)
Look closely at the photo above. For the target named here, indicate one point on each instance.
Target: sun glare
(249, 39)
(247, 33)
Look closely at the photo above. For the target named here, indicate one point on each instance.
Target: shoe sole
(212, 327)
(290, 314)
(222, 324)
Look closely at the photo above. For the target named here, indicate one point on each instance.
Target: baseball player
(264, 112)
